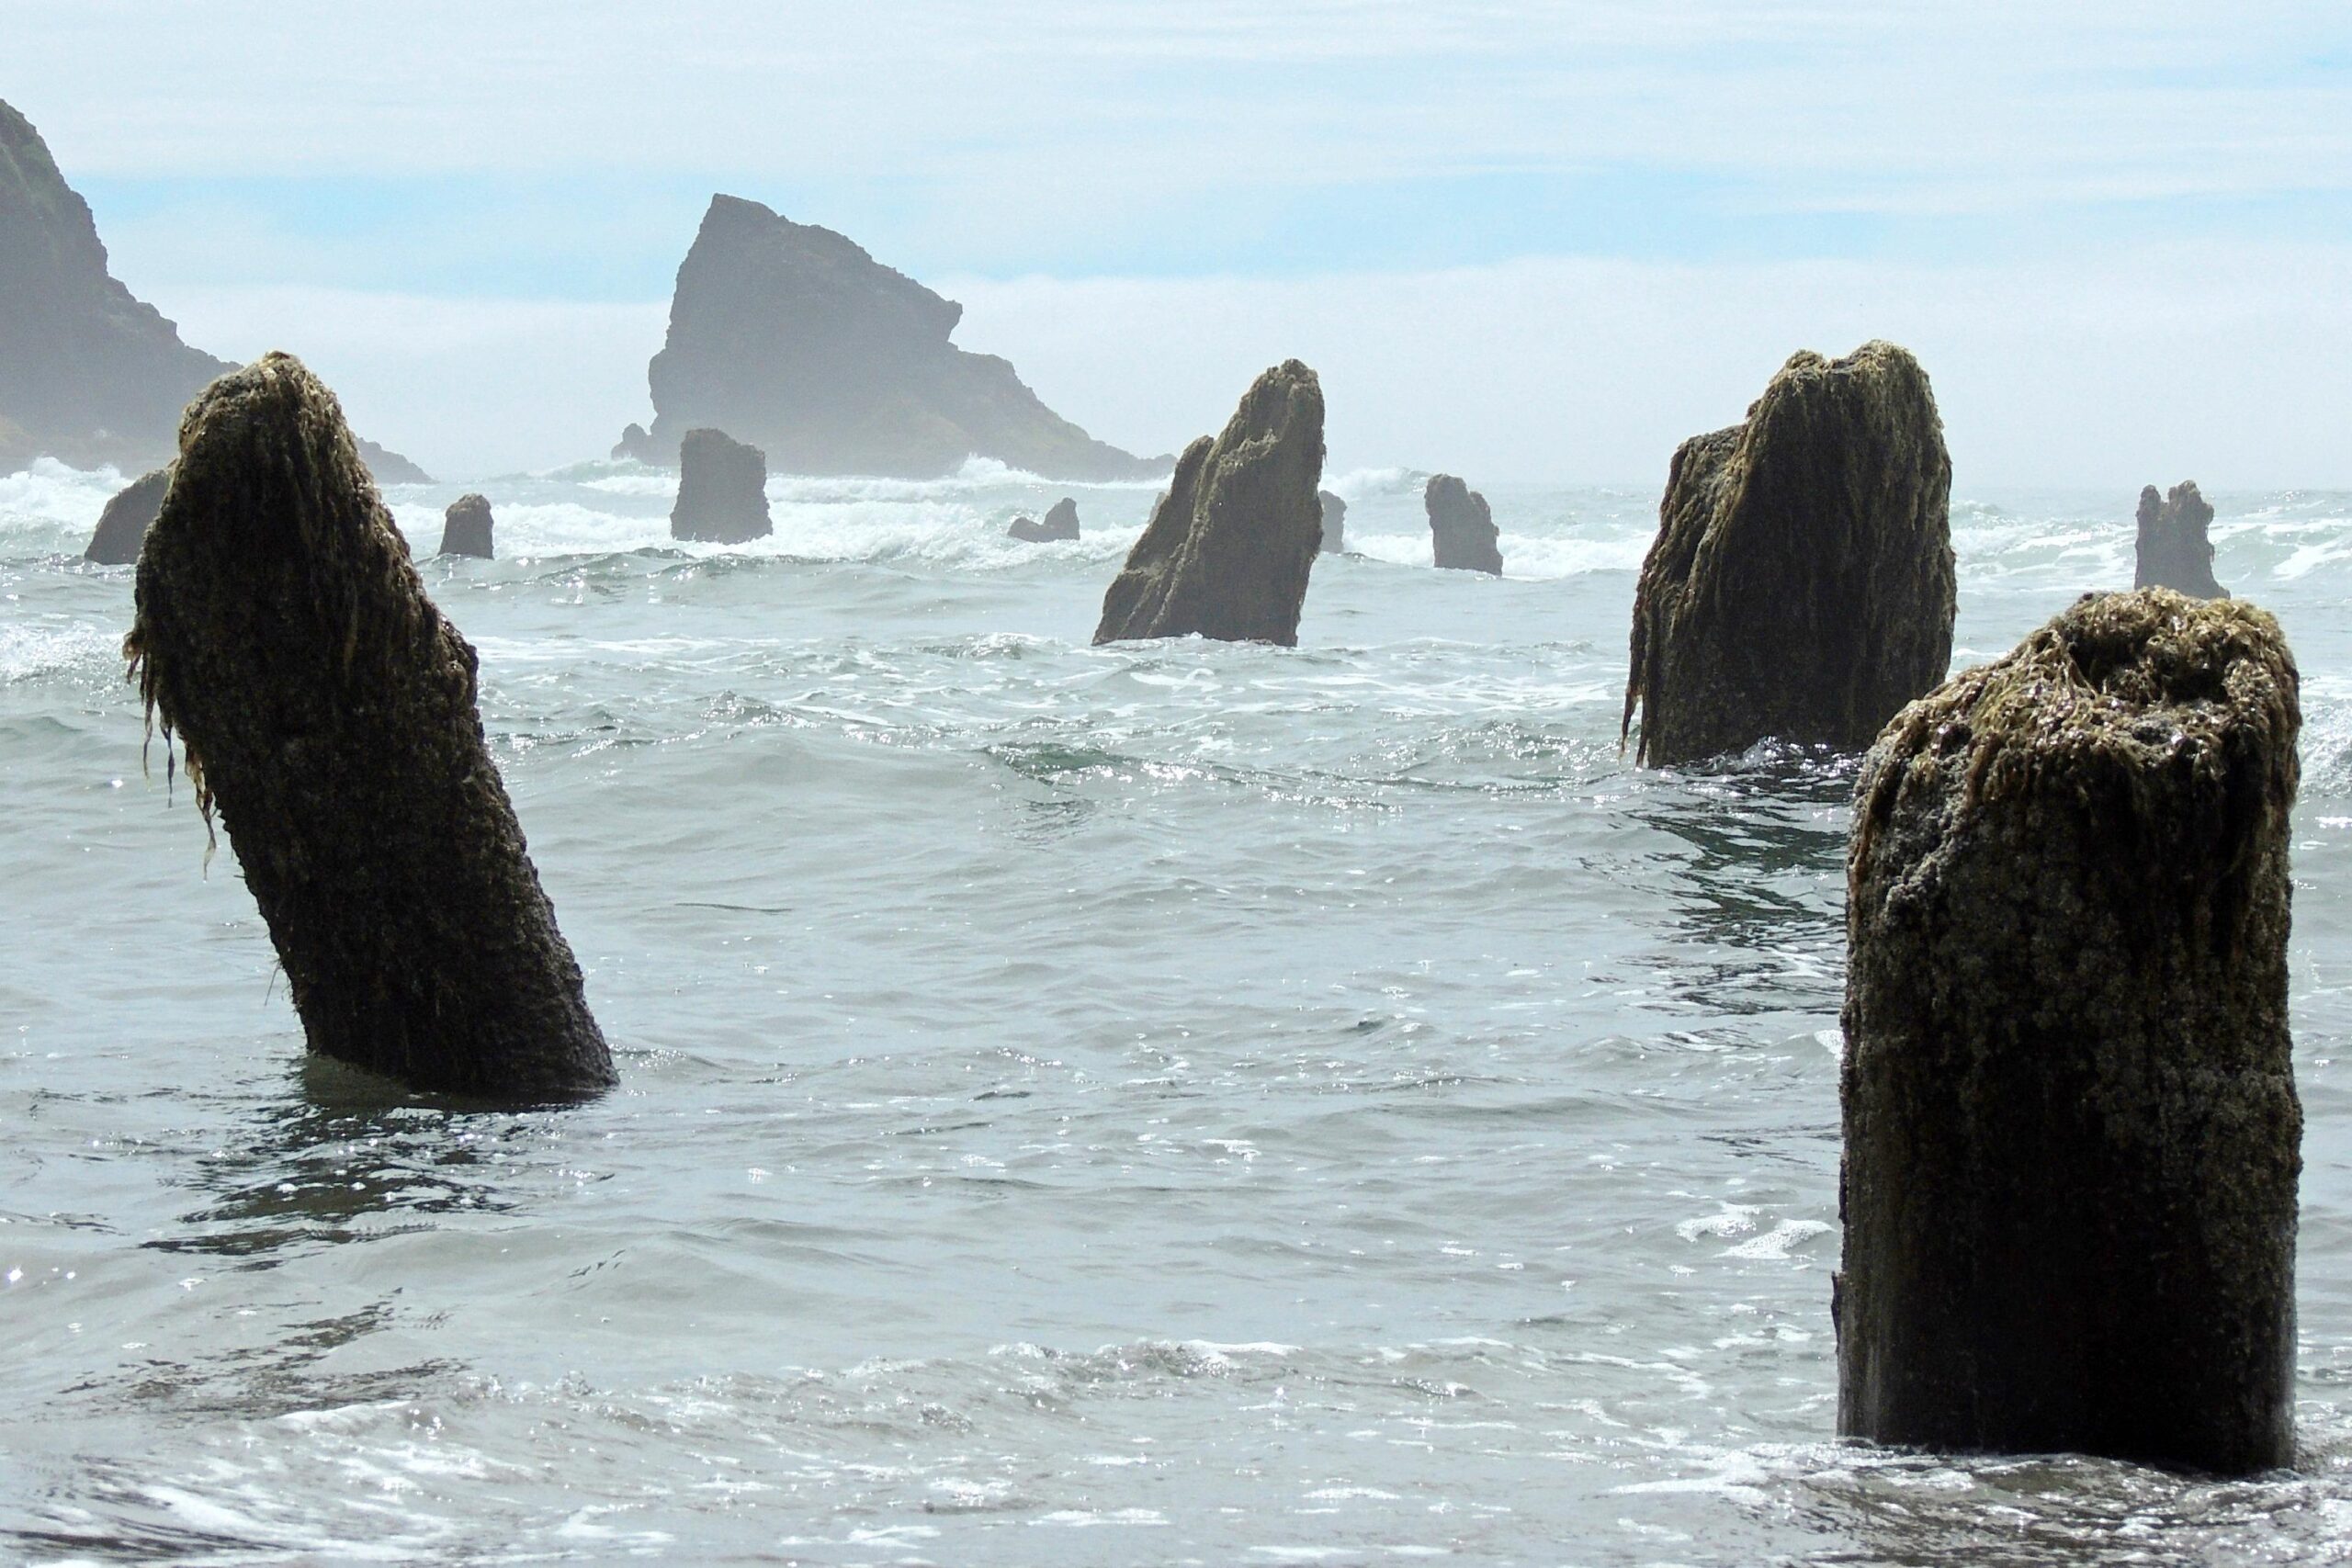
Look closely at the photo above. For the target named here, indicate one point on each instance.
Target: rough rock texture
(1462, 527)
(1335, 522)
(466, 527)
(1229, 548)
(2071, 1124)
(123, 525)
(793, 337)
(87, 373)
(326, 714)
(2173, 551)
(1061, 523)
(1800, 584)
(722, 490)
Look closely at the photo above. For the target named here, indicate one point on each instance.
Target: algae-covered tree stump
(2071, 1130)
(326, 714)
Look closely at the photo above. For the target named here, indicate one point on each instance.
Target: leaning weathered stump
(722, 490)
(466, 527)
(1463, 535)
(326, 714)
(1335, 522)
(2173, 550)
(1800, 585)
(1229, 548)
(2071, 1130)
(124, 523)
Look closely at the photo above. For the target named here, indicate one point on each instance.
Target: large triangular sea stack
(792, 338)
(327, 713)
(1229, 548)
(1800, 585)
(88, 374)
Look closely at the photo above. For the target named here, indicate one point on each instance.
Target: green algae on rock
(123, 525)
(2071, 1135)
(1801, 583)
(467, 527)
(1229, 548)
(326, 713)
(2172, 550)
(1462, 537)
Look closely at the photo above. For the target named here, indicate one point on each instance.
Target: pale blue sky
(379, 180)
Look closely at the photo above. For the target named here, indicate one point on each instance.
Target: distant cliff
(88, 374)
(792, 338)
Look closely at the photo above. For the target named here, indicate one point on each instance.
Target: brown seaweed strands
(1802, 583)
(1229, 548)
(2072, 1136)
(327, 713)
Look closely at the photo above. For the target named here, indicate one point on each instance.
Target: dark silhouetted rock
(88, 374)
(636, 444)
(326, 713)
(123, 525)
(1800, 585)
(2173, 550)
(722, 490)
(792, 336)
(2071, 1128)
(1229, 548)
(1462, 529)
(1061, 523)
(466, 527)
(1335, 522)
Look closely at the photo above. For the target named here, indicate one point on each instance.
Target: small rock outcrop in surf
(636, 446)
(88, 374)
(2174, 549)
(326, 714)
(1462, 527)
(793, 337)
(1060, 522)
(1335, 522)
(1229, 548)
(466, 527)
(123, 525)
(1800, 585)
(722, 490)
(2072, 1133)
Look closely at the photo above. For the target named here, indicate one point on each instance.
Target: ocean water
(1174, 1103)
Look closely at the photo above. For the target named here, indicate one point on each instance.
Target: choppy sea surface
(1172, 1103)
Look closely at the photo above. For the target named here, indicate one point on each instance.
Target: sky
(1534, 242)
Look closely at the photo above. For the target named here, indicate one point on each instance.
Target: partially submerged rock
(123, 525)
(1335, 522)
(1800, 585)
(1061, 523)
(2071, 1127)
(1229, 548)
(2173, 551)
(466, 527)
(792, 336)
(326, 714)
(88, 374)
(1463, 535)
(722, 490)
(636, 446)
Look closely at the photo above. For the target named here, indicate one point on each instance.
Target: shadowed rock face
(722, 490)
(1229, 548)
(466, 527)
(1461, 528)
(1335, 522)
(2071, 1124)
(1800, 585)
(124, 523)
(1061, 523)
(2173, 550)
(326, 712)
(87, 373)
(793, 337)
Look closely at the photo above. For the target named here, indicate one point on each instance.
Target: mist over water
(1170, 1102)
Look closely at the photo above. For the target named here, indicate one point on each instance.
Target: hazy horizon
(1536, 244)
